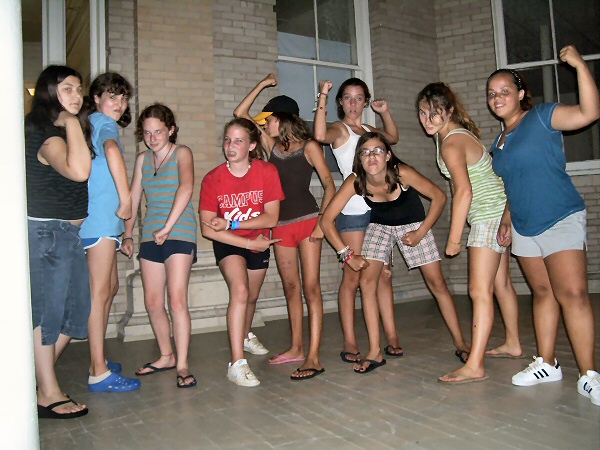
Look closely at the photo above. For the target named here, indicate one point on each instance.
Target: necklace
(229, 168)
(161, 163)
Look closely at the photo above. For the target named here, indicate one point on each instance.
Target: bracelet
(235, 225)
(348, 257)
(343, 250)
(228, 226)
(321, 94)
(248, 245)
(126, 238)
(455, 243)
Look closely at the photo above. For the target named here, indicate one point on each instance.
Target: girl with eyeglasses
(391, 189)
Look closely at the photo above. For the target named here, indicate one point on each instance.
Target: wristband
(235, 225)
(348, 257)
(126, 238)
(343, 250)
(321, 94)
(248, 245)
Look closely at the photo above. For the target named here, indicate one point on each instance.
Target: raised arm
(323, 133)
(425, 187)
(136, 197)
(183, 195)
(455, 158)
(72, 159)
(116, 165)
(390, 130)
(574, 117)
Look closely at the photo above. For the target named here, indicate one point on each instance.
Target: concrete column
(19, 424)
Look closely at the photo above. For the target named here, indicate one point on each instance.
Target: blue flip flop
(115, 383)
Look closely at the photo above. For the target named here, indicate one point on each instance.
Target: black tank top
(407, 208)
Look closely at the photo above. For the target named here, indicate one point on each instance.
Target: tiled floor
(399, 406)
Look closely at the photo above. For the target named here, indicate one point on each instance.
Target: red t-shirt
(241, 198)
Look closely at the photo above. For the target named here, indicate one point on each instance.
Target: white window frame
(363, 69)
(590, 167)
(54, 40)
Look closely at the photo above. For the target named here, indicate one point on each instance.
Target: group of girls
(522, 196)
(81, 211)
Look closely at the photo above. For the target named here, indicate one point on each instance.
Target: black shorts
(254, 260)
(159, 253)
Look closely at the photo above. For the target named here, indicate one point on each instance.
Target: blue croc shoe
(115, 383)
(114, 367)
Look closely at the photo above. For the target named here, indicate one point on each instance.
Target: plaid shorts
(380, 240)
(483, 234)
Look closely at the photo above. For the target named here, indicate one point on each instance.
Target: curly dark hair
(113, 83)
(519, 81)
(160, 112)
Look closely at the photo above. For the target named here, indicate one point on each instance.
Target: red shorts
(292, 234)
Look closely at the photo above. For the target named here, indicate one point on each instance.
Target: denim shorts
(151, 251)
(567, 234)
(254, 260)
(60, 284)
(345, 223)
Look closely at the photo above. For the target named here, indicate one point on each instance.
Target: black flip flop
(459, 354)
(388, 351)
(372, 365)
(183, 385)
(47, 412)
(313, 373)
(344, 356)
(153, 369)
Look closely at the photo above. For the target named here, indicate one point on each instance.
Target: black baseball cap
(279, 104)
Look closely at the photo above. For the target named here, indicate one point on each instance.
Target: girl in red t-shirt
(239, 202)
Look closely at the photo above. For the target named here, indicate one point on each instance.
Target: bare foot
(165, 362)
(504, 351)
(463, 375)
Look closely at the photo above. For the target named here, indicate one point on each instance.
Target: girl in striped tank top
(165, 174)
(478, 198)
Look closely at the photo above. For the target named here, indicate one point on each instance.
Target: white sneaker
(538, 372)
(589, 386)
(239, 372)
(253, 345)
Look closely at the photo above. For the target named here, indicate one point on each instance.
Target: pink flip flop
(280, 359)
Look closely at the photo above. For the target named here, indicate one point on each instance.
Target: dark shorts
(345, 223)
(254, 260)
(60, 283)
(160, 253)
(92, 242)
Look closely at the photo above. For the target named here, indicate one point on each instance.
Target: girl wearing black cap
(295, 154)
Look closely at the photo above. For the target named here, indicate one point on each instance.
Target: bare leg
(437, 285)
(256, 279)
(289, 271)
(178, 268)
(369, 279)
(154, 279)
(347, 293)
(48, 390)
(546, 310)
(385, 299)
(509, 308)
(102, 261)
(310, 258)
(567, 271)
(483, 266)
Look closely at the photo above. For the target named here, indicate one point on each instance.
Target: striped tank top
(160, 194)
(488, 190)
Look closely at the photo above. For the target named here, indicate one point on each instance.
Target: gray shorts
(380, 240)
(568, 234)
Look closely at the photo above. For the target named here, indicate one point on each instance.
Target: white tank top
(344, 156)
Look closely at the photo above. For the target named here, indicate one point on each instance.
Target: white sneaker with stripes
(589, 386)
(538, 372)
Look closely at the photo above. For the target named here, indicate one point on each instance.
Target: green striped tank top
(160, 192)
(488, 190)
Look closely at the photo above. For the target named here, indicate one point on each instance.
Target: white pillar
(18, 423)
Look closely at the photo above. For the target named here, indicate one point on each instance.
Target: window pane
(580, 145)
(297, 81)
(337, 77)
(78, 37)
(577, 22)
(296, 28)
(542, 84)
(337, 31)
(528, 32)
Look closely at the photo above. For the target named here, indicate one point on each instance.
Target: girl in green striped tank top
(477, 198)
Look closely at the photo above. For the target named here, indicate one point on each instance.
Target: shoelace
(535, 365)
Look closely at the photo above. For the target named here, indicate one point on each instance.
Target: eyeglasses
(368, 152)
